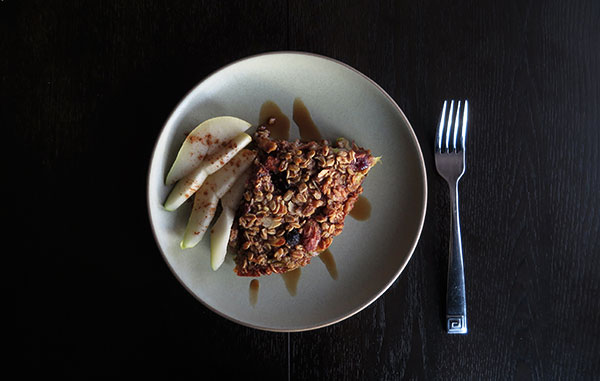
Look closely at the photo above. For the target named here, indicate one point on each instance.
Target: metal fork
(450, 162)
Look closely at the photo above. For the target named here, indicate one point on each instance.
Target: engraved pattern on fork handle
(456, 303)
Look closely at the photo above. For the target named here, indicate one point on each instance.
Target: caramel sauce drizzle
(280, 123)
(362, 209)
(291, 279)
(327, 258)
(253, 292)
(306, 126)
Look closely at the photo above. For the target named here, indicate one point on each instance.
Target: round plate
(366, 258)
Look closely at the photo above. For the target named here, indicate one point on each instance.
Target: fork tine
(463, 137)
(456, 127)
(440, 130)
(449, 125)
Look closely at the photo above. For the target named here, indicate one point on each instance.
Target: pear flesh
(203, 211)
(219, 235)
(187, 186)
(222, 181)
(207, 197)
(204, 140)
(219, 238)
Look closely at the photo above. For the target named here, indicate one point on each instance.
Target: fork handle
(456, 301)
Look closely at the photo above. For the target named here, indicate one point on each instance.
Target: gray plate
(369, 255)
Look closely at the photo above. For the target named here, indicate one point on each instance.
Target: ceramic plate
(369, 254)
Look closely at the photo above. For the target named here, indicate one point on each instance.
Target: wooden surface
(86, 86)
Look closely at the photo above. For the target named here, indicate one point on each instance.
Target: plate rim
(423, 208)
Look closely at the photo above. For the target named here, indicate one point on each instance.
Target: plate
(366, 258)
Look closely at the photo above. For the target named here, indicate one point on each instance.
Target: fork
(450, 163)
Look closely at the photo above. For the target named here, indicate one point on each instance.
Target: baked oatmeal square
(295, 201)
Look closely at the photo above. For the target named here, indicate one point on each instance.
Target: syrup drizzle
(291, 279)
(362, 209)
(253, 292)
(306, 126)
(280, 123)
(327, 258)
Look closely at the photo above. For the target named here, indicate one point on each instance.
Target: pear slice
(232, 198)
(219, 238)
(204, 140)
(203, 211)
(187, 186)
(207, 197)
(223, 180)
(219, 235)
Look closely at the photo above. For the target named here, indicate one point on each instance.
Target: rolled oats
(295, 202)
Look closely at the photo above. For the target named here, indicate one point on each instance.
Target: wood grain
(86, 86)
(531, 75)
(90, 85)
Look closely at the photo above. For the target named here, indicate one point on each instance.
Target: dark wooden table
(86, 86)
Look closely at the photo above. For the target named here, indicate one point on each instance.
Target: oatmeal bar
(295, 202)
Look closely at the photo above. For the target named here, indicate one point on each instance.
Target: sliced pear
(219, 235)
(219, 238)
(204, 140)
(187, 186)
(203, 211)
(232, 198)
(223, 180)
(207, 197)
